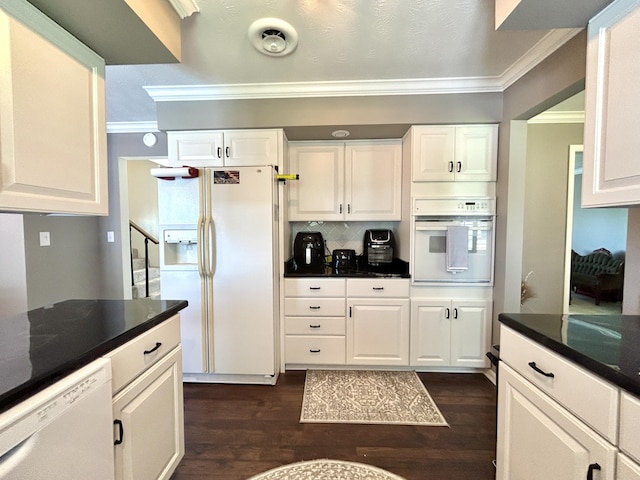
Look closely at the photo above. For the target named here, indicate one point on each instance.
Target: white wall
(13, 273)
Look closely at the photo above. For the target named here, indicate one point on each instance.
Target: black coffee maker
(308, 252)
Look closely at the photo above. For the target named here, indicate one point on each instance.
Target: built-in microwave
(453, 240)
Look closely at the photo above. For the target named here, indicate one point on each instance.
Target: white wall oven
(453, 240)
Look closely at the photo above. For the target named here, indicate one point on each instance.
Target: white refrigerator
(219, 251)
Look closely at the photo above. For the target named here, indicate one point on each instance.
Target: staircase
(138, 290)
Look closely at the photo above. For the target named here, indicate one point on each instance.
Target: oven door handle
(443, 226)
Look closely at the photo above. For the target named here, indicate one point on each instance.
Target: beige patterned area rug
(368, 396)
(327, 470)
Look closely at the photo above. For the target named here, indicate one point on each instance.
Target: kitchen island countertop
(43, 345)
(606, 345)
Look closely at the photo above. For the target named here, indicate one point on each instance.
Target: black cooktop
(43, 345)
(607, 345)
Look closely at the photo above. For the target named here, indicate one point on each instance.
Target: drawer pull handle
(592, 467)
(378, 288)
(158, 345)
(541, 372)
(314, 307)
(314, 288)
(314, 326)
(120, 438)
(311, 350)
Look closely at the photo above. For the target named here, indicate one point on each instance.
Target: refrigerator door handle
(211, 257)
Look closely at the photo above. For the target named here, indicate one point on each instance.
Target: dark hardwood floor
(235, 431)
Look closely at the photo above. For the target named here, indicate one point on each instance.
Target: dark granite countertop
(396, 269)
(606, 345)
(43, 345)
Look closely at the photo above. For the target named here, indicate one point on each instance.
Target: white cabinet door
(450, 333)
(373, 180)
(430, 332)
(433, 154)
(470, 333)
(319, 192)
(476, 153)
(539, 440)
(378, 331)
(360, 180)
(148, 422)
(611, 174)
(455, 153)
(53, 136)
(195, 149)
(244, 148)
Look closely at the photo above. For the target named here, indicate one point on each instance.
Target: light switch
(45, 239)
(110, 237)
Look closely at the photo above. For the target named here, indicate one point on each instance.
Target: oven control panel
(473, 206)
(454, 206)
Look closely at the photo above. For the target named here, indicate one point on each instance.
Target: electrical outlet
(45, 239)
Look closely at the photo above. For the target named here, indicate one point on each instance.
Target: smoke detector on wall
(273, 37)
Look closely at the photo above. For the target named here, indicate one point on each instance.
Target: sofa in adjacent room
(598, 275)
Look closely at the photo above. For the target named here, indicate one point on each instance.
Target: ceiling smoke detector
(273, 37)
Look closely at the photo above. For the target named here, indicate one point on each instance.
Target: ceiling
(345, 47)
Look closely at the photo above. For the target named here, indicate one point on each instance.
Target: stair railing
(147, 238)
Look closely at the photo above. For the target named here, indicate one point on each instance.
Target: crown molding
(426, 86)
(132, 127)
(536, 54)
(184, 8)
(559, 117)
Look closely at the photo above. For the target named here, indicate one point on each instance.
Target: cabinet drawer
(314, 326)
(629, 422)
(378, 288)
(130, 360)
(312, 287)
(314, 350)
(314, 307)
(570, 385)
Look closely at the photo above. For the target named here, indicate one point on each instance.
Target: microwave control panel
(454, 206)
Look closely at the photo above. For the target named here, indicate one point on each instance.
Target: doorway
(588, 230)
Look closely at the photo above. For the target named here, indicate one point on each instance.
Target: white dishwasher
(64, 431)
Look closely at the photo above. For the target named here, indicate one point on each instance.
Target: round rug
(327, 470)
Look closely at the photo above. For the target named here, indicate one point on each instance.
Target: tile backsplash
(342, 234)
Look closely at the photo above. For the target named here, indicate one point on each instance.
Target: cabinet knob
(314, 307)
(314, 288)
(314, 350)
(451, 167)
(314, 326)
(377, 289)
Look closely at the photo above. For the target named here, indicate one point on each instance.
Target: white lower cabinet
(378, 332)
(538, 439)
(149, 422)
(450, 333)
(148, 413)
(377, 322)
(314, 323)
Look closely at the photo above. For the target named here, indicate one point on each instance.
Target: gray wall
(117, 279)
(545, 213)
(69, 267)
(557, 78)
(315, 118)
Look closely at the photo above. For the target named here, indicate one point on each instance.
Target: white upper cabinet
(228, 148)
(612, 107)
(53, 149)
(454, 153)
(359, 180)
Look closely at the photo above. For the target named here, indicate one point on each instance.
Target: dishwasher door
(64, 431)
